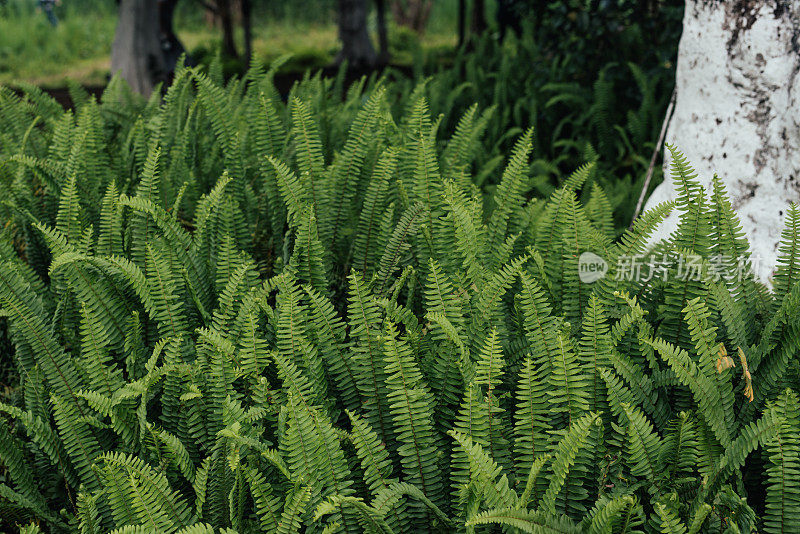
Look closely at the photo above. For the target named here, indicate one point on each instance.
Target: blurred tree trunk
(357, 48)
(136, 52)
(247, 26)
(462, 22)
(509, 17)
(478, 26)
(225, 14)
(413, 14)
(171, 47)
(383, 38)
(737, 112)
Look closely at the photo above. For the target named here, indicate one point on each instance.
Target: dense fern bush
(610, 115)
(234, 314)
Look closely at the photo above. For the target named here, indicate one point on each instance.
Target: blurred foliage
(592, 32)
(592, 76)
(32, 49)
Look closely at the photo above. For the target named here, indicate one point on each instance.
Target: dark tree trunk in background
(478, 25)
(171, 47)
(462, 22)
(247, 26)
(136, 52)
(225, 14)
(383, 38)
(509, 16)
(357, 48)
(412, 14)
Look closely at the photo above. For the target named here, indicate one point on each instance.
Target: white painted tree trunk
(737, 112)
(136, 52)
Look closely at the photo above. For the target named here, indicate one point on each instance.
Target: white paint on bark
(737, 112)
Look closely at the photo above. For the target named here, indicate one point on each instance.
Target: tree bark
(509, 16)
(357, 48)
(247, 26)
(225, 14)
(383, 38)
(737, 112)
(136, 52)
(462, 22)
(478, 17)
(171, 47)
(413, 14)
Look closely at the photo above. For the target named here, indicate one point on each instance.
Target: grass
(33, 51)
(79, 48)
(310, 44)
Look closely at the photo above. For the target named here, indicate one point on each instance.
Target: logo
(591, 267)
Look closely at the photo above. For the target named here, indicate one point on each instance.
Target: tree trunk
(737, 112)
(462, 22)
(413, 14)
(383, 39)
(478, 17)
(171, 47)
(509, 17)
(225, 13)
(357, 48)
(247, 26)
(136, 52)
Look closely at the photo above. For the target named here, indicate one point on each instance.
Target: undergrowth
(235, 313)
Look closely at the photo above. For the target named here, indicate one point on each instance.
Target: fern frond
(411, 408)
(704, 388)
(138, 494)
(509, 193)
(484, 473)
(564, 457)
(782, 512)
(538, 522)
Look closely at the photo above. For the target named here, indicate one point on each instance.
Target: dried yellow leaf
(748, 380)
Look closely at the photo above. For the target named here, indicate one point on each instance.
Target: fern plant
(231, 313)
